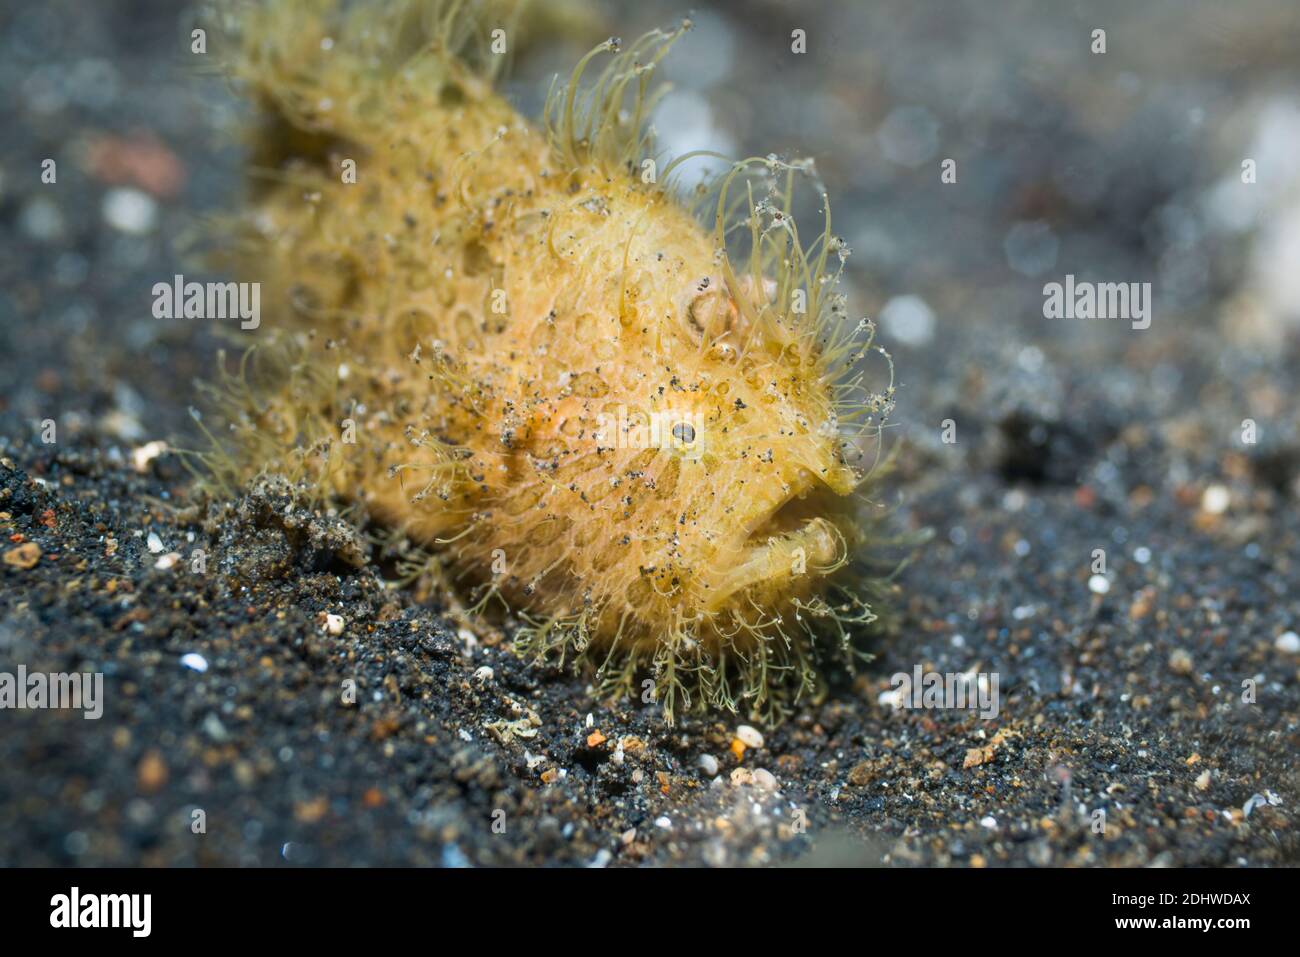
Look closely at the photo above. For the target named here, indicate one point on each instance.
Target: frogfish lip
(788, 547)
(804, 551)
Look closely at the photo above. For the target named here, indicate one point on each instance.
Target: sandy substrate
(226, 692)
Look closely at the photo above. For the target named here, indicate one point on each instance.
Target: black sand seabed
(1124, 696)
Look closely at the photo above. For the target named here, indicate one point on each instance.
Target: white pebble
(764, 779)
(1216, 499)
(663, 822)
(892, 699)
(989, 821)
(909, 320)
(142, 456)
(468, 639)
(130, 211)
(154, 542)
(709, 765)
(167, 561)
(195, 662)
(1289, 642)
(1099, 584)
(1267, 799)
(334, 624)
(749, 737)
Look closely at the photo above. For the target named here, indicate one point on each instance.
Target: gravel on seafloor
(396, 740)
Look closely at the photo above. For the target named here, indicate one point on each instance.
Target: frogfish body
(517, 345)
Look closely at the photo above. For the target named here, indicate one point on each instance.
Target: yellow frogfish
(637, 414)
